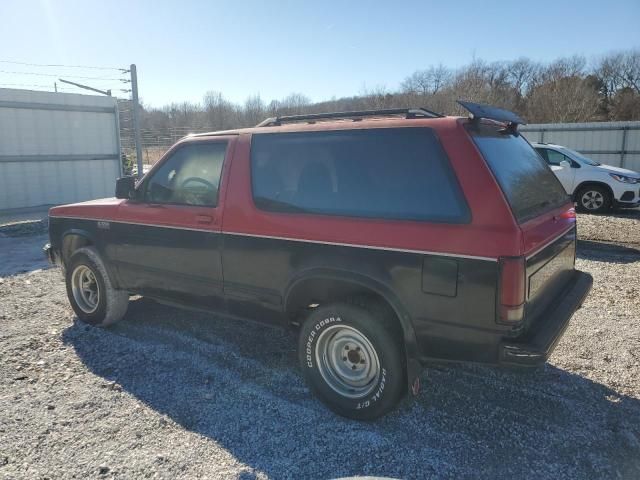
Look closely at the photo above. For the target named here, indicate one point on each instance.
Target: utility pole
(136, 117)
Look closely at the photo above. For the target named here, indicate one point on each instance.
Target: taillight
(571, 213)
(511, 286)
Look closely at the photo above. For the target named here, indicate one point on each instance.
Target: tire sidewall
(388, 389)
(98, 315)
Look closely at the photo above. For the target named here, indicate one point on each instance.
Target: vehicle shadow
(236, 383)
(607, 252)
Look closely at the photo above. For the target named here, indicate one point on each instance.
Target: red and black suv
(385, 238)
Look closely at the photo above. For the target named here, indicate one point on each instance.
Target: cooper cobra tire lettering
(312, 335)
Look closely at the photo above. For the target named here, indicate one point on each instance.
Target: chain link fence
(154, 142)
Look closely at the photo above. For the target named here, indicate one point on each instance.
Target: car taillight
(511, 295)
(571, 213)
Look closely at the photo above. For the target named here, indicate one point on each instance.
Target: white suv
(593, 186)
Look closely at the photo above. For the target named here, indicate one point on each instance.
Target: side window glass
(395, 173)
(543, 153)
(191, 176)
(554, 158)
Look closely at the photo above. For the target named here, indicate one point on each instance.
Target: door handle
(204, 219)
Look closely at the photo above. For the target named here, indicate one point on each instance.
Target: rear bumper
(536, 345)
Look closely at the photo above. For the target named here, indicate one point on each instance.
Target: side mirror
(565, 164)
(126, 187)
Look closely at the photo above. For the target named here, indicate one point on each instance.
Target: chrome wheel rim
(85, 288)
(592, 200)
(347, 361)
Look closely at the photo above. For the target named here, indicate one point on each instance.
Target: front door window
(191, 176)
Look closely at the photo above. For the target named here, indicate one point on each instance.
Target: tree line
(565, 90)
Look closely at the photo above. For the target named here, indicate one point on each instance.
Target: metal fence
(154, 142)
(56, 148)
(613, 143)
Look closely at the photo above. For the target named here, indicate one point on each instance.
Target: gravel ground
(623, 227)
(175, 394)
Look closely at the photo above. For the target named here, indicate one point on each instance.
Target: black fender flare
(414, 367)
(76, 232)
(91, 238)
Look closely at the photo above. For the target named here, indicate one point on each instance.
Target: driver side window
(191, 176)
(553, 157)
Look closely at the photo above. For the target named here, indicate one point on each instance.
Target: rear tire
(90, 292)
(593, 199)
(352, 359)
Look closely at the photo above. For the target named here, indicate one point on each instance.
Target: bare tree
(254, 110)
(564, 67)
(427, 82)
(621, 70)
(376, 98)
(626, 105)
(521, 74)
(220, 113)
(564, 99)
(293, 104)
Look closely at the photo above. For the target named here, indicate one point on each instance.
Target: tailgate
(547, 271)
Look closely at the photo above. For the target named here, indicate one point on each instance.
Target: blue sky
(321, 48)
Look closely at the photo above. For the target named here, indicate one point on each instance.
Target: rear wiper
(270, 203)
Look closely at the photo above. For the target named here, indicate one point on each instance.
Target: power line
(123, 70)
(25, 85)
(51, 87)
(71, 76)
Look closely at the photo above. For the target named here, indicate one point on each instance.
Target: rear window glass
(396, 173)
(528, 183)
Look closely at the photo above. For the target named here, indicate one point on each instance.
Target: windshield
(528, 183)
(581, 157)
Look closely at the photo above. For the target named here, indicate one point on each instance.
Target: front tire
(90, 292)
(594, 199)
(351, 357)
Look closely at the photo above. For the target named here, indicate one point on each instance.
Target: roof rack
(356, 115)
(480, 110)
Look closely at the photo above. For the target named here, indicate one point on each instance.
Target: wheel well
(584, 185)
(312, 292)
(73, 242)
